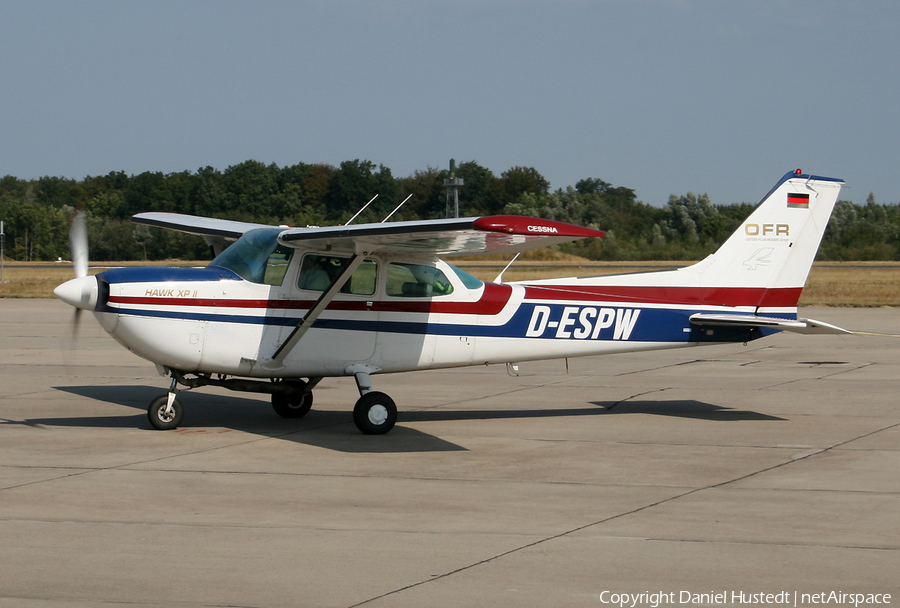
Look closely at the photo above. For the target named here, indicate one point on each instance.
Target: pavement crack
(51, 479)
(620, 515)
(822, 377)
(517, 550)
(621, 401)
(653, 369)
(492, 395)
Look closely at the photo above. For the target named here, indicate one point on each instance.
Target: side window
(416, 281)
(318, 271)
(363, 280)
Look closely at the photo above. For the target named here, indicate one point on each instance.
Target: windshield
(257, 257)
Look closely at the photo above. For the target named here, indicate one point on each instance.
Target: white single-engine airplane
(282, 308)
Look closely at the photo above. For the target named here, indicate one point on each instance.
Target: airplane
(279, 309)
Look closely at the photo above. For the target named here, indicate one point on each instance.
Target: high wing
(216, 232)
(497, 234)
(195, 224)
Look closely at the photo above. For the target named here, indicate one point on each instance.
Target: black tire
(375, 413)
(293, 405)
(156, 413)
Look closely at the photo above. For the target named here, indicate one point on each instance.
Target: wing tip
(533, 226)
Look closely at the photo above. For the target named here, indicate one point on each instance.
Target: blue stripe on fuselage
(538, 321)
(166, 274)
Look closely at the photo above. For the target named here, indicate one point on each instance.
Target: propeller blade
(78, 245)
(76, 322)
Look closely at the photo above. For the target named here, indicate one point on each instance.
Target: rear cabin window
(318, 271)
(416, 281)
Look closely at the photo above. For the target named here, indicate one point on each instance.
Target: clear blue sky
(664, 96)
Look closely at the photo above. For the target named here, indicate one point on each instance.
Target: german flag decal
(798, 201)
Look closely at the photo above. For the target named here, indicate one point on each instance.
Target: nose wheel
(165, 412)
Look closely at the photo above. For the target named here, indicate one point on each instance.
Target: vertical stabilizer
(775, 246)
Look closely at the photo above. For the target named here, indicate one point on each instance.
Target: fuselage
(213, 320)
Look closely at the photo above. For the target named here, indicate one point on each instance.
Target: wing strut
(276, 361)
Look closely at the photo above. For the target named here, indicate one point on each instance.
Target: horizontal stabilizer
(800, 326)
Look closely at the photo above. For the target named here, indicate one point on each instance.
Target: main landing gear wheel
(375, 413)
(293, 405)
(164, 418)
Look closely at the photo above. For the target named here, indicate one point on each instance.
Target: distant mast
(453, 184)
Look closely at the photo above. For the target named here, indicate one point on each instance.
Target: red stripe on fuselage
(681, 296)
(492, 302)
(495, 297)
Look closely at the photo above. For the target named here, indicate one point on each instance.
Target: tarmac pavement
(729, 469)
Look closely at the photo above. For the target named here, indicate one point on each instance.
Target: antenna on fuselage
(499, 278)
(361, 210)
(395, 210)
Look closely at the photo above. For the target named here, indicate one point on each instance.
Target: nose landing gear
(166, 412)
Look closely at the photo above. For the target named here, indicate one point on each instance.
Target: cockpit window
(416, 281)
(467, 279)
(257, 257)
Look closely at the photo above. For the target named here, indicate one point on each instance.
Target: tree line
(37, 212)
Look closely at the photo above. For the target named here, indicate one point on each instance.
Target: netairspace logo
(782, 598)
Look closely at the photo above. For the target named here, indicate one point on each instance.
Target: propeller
(78, 245)
(80, 292)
